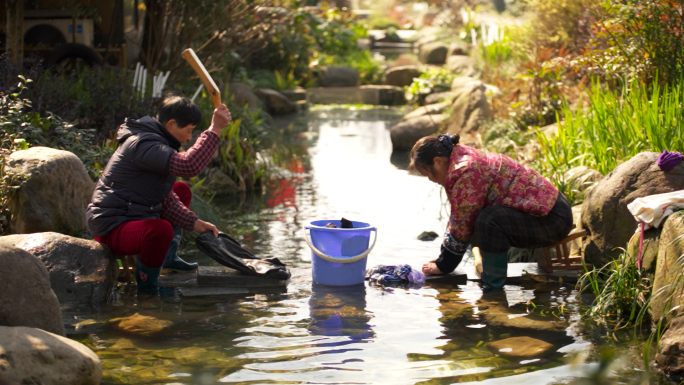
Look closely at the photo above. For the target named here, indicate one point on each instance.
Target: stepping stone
(520, 347)
(220, 280)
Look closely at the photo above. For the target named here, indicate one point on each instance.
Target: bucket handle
(345, 260)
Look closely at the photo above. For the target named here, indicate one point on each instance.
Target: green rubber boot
(494, 269)
(147, 277)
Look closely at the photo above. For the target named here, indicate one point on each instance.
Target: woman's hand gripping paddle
(208, 82)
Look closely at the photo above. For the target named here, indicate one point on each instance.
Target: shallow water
(363, 334)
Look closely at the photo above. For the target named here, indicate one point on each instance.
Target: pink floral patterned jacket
(479, 179)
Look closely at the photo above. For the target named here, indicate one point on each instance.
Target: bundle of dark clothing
(228, 252)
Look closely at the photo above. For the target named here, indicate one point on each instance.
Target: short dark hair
(425, 150)
(181, 109)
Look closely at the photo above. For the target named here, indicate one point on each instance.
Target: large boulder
(34, 356)
(339, 76)
(668, 284)
(430, 109)
(26, 298)
(464, 65)
(275, 102)
(605, 216)
(401, 76)
(407, 132)
(243, 95)
(470, 106)
(433, 53)
(55, 194)
(670, 356)
(80, 270)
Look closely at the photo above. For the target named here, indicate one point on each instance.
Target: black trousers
(497, 227)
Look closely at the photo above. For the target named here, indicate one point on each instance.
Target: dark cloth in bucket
(228, 252)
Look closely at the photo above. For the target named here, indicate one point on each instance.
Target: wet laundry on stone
(388, 274)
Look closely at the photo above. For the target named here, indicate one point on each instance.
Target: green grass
(617, 125)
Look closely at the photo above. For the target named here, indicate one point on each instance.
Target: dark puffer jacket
(136, 180)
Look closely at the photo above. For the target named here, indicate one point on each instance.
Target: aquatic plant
(622, 293)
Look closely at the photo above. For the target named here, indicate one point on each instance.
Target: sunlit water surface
(312, 334)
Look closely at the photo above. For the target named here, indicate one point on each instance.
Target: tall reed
(616, 126)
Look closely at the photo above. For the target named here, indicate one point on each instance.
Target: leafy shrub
(98, 98)
(644, 38)
(431, 81)
(562, 23)
(23, 127)
(383, 23)
(370, 69)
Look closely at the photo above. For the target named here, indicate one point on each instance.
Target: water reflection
(339, 311)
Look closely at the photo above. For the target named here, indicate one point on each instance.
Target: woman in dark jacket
(137, 206)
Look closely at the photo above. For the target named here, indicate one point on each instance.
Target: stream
(437, 333)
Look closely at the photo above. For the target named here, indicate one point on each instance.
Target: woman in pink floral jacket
(495, 203)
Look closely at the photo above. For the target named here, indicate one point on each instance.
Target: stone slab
(223, 276)
(217, 276)
(208, 291)
(517, 273)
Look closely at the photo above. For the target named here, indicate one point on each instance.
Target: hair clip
(446, 140)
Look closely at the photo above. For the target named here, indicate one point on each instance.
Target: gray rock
(401, 76)
(80, 270)
(243, 95)
(55, 195)
(520, 347)
(670, 355)
(433, 53)
(668, 284)
(439, 97)
(27, 299)
(276, 103)
(430, 109)
(464, 65)
(406, 133)
(428, 236)
(34, 356)
(457, 49)
(470, 107)
(339, 76)
(582, 178)
(605, 216)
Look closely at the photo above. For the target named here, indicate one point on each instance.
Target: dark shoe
(146, 277)
(494, 269)
(173, 262)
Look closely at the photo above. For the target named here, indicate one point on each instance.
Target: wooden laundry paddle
(204, 76)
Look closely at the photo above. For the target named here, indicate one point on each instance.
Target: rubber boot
(146, 277)
(172, 262)
(494, 269)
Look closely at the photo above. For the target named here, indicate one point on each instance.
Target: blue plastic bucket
(338, 256)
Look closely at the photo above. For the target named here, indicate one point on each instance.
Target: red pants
(148, 237)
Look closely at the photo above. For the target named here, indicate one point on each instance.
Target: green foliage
(23, 127)
(303, 37)
(617, 126)
(431, 81)
(644, 38)
(383, 23)
(543, 96)
(622, 294)
(97, 98)
(494, 46)
(370, 69)
(561, 23)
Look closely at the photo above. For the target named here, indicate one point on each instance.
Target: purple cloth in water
(668, 160)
